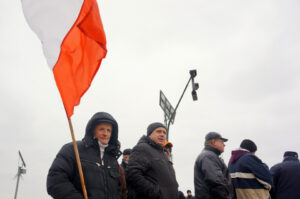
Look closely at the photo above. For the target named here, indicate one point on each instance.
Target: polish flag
(73, 41)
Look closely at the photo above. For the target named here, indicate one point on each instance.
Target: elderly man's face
(103, 132)
(218, 144)
(159, 136)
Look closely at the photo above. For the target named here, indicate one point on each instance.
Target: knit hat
(290, 154)
(249, 145)
(127, 152)
(154, 126)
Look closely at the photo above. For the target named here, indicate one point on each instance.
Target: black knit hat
(249, 145)
(290, 154)
(127, 152)
(154, 126)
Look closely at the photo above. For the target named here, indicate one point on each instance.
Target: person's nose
(105, 132)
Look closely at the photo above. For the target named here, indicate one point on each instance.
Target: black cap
(154, 126)
(290, 154)
(127, 152)
(249, 145)
(188, 191)
(214, 136)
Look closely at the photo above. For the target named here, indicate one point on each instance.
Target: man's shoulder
(275, 167)
(69, 147)
(250, 160)
(248, 157)
(141, 147)
(286, 165)
(207, 155)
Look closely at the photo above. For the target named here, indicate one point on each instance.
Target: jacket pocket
(114, 174)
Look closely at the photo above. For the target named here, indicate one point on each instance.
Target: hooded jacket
(251, 178)
(149, 173)
(286, 177)
(211, 177)
(102, 178)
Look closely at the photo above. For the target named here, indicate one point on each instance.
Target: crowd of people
(146, 170)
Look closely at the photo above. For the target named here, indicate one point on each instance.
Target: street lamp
(169, 111)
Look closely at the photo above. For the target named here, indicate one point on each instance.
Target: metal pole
(166, 119)
(168, 126)
(19, 174)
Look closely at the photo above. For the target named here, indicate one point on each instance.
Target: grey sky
(246, 54)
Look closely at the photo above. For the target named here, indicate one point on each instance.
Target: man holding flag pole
(98, 151)
(74, 45)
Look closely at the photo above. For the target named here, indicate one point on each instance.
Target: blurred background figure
(286, 177)
(126, 156)
(180, 195)
(189, 195)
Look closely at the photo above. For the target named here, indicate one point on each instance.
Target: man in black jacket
(149, 172)
(98, 155)
(211, 176)
(286, 177)
(126, 156)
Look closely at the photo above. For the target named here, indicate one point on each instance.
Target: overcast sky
(246, 54)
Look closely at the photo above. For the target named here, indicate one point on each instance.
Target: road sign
(166, 106)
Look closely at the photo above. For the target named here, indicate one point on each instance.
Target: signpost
(169, 111)
(166, 107)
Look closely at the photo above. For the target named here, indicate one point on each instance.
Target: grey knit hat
(154, 126)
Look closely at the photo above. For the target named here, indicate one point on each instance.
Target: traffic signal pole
(173, 114)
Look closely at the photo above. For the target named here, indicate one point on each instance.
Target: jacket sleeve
(274, 172)
(260, 171)
(61, 173)
(123, 182)
(135, 174)
(215, 178)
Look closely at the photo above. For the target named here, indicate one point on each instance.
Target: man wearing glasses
(211, 176)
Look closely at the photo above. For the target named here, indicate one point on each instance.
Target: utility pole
(21, 170)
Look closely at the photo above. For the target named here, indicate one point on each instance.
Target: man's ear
(213, 142)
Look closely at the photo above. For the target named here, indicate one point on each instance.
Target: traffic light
(195, 86)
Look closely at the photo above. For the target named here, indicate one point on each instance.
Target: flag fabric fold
(74, 43)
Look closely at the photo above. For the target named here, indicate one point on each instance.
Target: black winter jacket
(211, 176)
(286, 179)
(101, 180)
(149, 173)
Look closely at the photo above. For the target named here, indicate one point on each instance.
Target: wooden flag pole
(78, 160)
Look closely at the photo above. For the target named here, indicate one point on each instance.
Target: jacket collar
(210, 148)
(145, 139)
(291, 159)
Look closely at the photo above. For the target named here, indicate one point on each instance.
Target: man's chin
(104, 142)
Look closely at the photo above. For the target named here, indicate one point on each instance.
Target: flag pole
(78, 160)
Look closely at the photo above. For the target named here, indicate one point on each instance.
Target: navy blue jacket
(286, 177)
(251, 178)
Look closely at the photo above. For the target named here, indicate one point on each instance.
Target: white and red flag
(73, 40)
